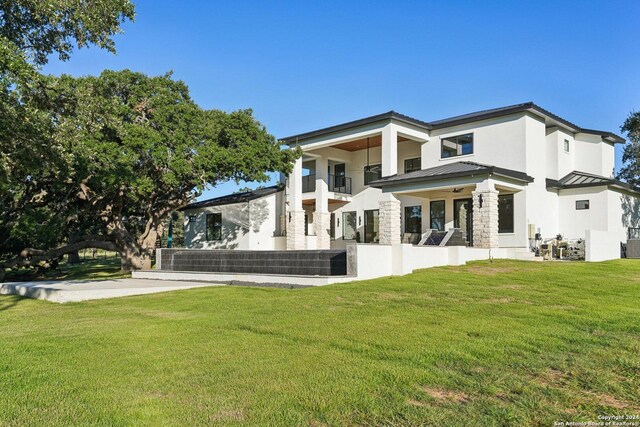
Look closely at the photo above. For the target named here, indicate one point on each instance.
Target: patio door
(463, 218)
(371, 226)
(339, 181)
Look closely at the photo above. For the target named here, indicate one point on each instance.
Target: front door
(371, 226)
(463, 218)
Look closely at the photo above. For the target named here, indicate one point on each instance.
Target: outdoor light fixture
(338, 221)
(359, 220)
(480, 200)
(192, 218)
(289, 216)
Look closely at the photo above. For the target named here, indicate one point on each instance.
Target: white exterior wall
(498, 142)
(253, 225)
(574, 223)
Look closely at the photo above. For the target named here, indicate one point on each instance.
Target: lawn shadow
(9, 301)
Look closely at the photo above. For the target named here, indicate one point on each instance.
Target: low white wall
(374, 261)
(280, 243)
(396, 260)
(601, 245)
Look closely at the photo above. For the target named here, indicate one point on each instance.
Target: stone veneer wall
(390, 222)
(295, 230)
(485, 219)
(322, 225)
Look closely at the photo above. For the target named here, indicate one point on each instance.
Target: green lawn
(88, 269)
(502, 343)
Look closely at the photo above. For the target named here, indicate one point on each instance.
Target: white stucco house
(501, 179)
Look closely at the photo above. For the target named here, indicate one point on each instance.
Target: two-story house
(500, 177)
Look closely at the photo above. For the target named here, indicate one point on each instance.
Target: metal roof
(448, 171)
(550, 119)
(389, 115)
(235, 198)
(577, 179)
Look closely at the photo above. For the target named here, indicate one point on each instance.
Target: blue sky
(305, 65)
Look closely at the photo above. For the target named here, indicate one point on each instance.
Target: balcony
(337, 184)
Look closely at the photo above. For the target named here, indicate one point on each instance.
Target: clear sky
(305, 65)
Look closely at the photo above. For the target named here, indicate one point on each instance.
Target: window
(413, 219)
(214, 227)
(505, 213)
(372, 226)
(582, 205)
(457, 145)
(371, 173)
(411, 165)
(566, 145)
(349, 226)
(437, 215)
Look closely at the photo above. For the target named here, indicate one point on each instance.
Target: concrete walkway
(82, 290)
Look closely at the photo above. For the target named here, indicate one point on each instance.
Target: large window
(349, 226)
(505, 213)
(372, 226)
(214, 226)
(437, 215)
(457, 145)
(413, 219)
(411, 165)
(371, 173)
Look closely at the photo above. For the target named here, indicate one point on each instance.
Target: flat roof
(552, 119)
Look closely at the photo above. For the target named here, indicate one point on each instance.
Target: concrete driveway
(82, 290)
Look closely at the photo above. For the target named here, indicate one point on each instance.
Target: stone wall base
(321, 226)
(390, 222)
(295, 230)
(485, 219)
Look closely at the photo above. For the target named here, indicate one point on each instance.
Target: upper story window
(582, 205)
(566, 145)
(458, 145)
(411, 165)
(371, 173)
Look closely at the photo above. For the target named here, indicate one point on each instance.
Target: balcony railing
(340, 184)
(337, 184)
(309, 183)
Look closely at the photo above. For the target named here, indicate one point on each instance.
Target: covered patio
(484, 202)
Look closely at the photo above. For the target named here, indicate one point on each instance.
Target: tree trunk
(73, 258)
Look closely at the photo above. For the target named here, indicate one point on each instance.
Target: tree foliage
(630, 171)
(30, 161)
(39, 28)
(134, 148)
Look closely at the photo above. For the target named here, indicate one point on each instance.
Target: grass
(503, 343)
(100, 268)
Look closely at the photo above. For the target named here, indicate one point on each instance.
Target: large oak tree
(30, 162)
(137, 148)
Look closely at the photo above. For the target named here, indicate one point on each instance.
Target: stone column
(294, 216)
(390, 221)
(485, 215)
(321, 215)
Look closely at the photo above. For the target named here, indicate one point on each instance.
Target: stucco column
(485, 215)
(321, 215)
(295, 215)
(390, 221)
(389, 150)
